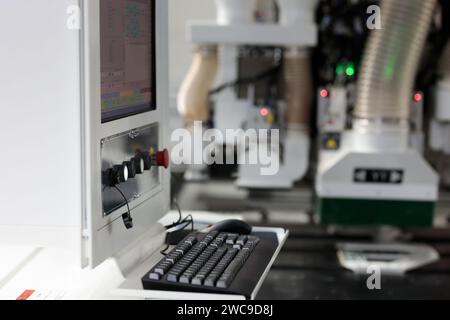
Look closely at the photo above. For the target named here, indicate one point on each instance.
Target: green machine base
(354, 212)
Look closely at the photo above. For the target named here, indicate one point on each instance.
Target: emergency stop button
(162, 159)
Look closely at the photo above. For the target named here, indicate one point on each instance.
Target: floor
(308, 267)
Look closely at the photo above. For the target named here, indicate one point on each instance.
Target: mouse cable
(126, 217)
(188, 221)
(180, 217)
(180, 214)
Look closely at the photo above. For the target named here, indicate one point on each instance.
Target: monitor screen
(127, 31)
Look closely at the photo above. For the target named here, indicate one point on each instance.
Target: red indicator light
(264, 112)
(324, 93)
(418, 97)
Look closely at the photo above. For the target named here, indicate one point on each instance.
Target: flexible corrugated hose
(445, 63)
(193, 97)
(391, 60)
(298, 88)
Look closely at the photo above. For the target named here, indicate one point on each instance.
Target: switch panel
(129, 163)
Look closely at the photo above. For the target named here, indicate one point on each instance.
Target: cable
(187, 221)
(180, 214)
(164, 251)
(177, 179)
(126, 217)
(248, 80)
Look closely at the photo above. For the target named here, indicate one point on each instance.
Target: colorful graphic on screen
(127, 58)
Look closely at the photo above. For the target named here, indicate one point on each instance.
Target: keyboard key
(210, 237)
(252, 239)
(222, 236)
(231, 239)
(232, 270)
(185, 262)
(174, 256)
(163, 267)
(251, 243)
(192, 240)
(209, 266)
(173, 276)
(155, 276)
(218, 242)
(195, 267)
(241, 240)
(220, 268)
(183, 248)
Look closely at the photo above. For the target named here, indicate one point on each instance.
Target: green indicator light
(350, 70)
(340, 69)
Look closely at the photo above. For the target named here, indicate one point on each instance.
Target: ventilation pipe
(298, 89)
(389, 70)
(445, 64)
(193, 97)
(443, 88)
(297, 65)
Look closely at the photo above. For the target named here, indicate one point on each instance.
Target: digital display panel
(127, 31)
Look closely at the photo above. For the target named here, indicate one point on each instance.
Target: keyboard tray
(247, 280)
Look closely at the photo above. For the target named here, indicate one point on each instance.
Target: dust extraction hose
(391, 60)
(298, 88)
(193, 97)
(445, 63)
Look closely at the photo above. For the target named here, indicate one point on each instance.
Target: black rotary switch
(138, 164)
(120, 174)
(147, 160)
(131, 166)
(108, 178)
(115, 175)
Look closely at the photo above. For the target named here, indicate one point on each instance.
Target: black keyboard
(215, 262)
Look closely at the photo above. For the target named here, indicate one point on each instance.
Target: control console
(131, 164)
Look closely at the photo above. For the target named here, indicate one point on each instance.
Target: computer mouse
(231, 226)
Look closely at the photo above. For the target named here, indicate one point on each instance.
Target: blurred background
(360, 93)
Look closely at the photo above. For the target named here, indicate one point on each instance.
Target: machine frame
(107, 234)
(53, 119)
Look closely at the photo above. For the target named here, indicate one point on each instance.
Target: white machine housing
(236, 27)
(440, 125)
(343, 152)
(52, 131)
(336, 174)
(378, 166)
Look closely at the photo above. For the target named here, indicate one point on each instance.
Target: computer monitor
(127, 29)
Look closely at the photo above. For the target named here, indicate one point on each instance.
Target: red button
(162, 158)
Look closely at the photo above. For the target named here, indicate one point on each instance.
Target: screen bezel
(153, 104)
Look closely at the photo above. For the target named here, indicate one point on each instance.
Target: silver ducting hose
(445, 63)
(391, 60)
